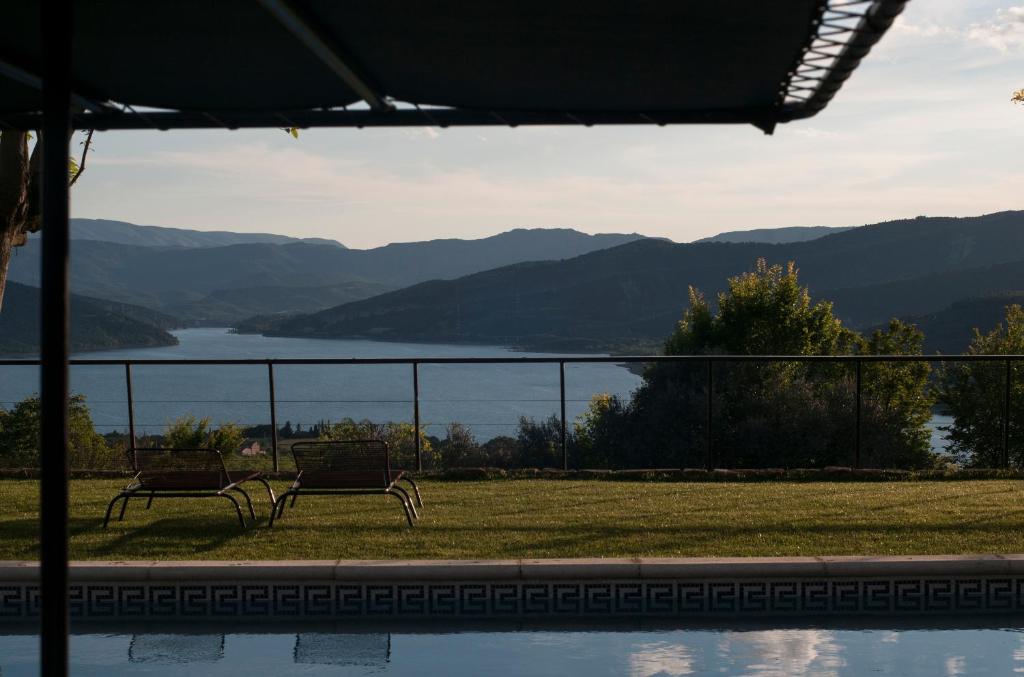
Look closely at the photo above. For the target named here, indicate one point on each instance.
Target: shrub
(973, 393)
(19, 437)
(189, 432)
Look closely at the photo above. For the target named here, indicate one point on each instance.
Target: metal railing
(561, 361)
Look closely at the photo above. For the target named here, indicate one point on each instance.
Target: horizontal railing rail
(415, 362)
(555, 359)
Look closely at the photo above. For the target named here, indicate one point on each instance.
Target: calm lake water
(765, 651)
(488, 398)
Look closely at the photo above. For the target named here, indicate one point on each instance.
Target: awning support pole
(56, 39)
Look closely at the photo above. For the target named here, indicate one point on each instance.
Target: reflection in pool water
(745, 650)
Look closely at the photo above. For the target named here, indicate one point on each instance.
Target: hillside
(223, 284)
(950, 330)
(95, 324)
(122, 232)
(638, 291)
(775, 235)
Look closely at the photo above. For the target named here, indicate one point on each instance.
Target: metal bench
(337, 468)
(185, 473)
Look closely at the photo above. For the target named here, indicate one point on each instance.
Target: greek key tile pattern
(529, 598)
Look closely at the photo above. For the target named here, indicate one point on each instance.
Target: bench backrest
(343, 464)
(161, 468)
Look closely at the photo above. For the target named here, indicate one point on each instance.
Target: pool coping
(527, 588)
(575, 569)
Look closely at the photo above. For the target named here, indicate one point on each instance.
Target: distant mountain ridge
(223, 284)
(95, 324)
(638, 291)
(776, 235)
(122, 232)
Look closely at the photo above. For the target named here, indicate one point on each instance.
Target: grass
(548, 518)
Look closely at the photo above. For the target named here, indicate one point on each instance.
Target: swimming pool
(928, 647)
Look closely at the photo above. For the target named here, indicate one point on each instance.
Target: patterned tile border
(534, 588)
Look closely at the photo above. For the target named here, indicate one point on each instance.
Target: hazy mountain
(950, 330)
(776, 235)
(122, 232)
(217, 285)
(638, 291)
(95, 324)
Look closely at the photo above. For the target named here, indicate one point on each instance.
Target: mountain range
(219, 284)
(637, 291)
(556, 289)
(776, 235)
(96, 324)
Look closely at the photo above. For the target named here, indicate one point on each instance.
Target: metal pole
(856, 432)
(131, 413)
(1006, 415)
(710, 461)
(273, 413)
(416, 413)
(561, 387)
(55, 21)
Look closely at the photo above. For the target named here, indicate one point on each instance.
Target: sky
(925, 126)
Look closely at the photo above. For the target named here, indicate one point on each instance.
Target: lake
(488, 398)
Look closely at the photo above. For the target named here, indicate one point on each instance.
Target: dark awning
(209, 63)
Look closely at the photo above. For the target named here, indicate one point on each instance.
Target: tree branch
(81, 163)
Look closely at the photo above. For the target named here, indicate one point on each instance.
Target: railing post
(710, 460)
(561, 388)
(273, 413)
(1006, 415)
(131, 413)
(856, 431)
(416, 414)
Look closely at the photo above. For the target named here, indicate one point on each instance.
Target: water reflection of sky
(754, 652)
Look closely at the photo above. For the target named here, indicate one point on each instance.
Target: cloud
(660, 659)
(1004, 33)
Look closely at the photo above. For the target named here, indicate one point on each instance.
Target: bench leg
(277, 508)
(248, 501)
(110, 508)
(149, 503)
(270, 491)
(408, 500)
(405, 505)
(124, 506)
(416, 490)
(238, 508)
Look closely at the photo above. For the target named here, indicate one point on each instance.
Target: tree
(973, 393)
(189, 432)
(19, 437)
(20, 181)
(459, 448)
(766, 414)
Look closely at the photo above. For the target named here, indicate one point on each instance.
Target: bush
(973, 393)
(19, 437)
(400, 438)
(189, 432)
(540, 442)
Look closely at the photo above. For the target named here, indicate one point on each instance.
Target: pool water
(742, 650)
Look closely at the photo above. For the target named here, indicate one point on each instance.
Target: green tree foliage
(400, 438)
(973, 393)
(778, 414)
(189, 432)
(540, 442)
(459, 448)
(19, 437)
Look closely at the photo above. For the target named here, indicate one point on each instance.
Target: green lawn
(548, 518)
